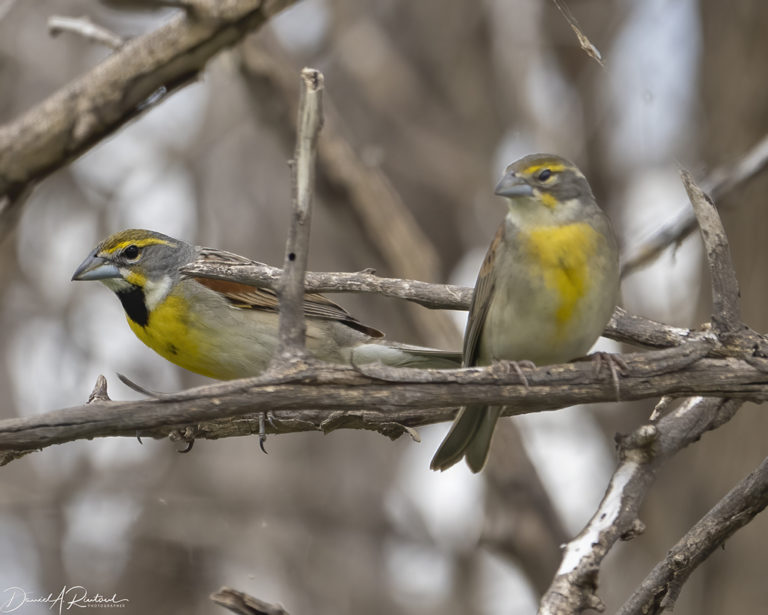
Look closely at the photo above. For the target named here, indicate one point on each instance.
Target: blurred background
(427, 102)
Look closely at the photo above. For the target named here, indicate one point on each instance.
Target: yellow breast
(563, 255)
(170, 333)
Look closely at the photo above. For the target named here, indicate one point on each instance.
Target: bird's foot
(187, 435)
(614, 363)
(506, 367)
(264, 418)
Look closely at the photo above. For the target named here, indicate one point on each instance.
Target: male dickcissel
(546, 289)
(225, 329)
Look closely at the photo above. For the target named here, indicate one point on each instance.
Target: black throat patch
(134, 306)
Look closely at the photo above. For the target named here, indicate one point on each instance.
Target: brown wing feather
(222, 257)
(481, 300)
(315, 306)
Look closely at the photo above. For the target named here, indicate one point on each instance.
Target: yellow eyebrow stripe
(139, 243)
(555, 168)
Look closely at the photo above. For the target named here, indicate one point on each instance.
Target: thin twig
(586, 45)
(84, 27)
(659, 590)
(292, 327)
(243, 604)
(726, 302)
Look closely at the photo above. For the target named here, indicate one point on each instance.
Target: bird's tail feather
(405, 355)
(478, 448)
(470, 437)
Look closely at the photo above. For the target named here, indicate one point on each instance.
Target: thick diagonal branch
(659, 590)
(144, 71)
(573, 589)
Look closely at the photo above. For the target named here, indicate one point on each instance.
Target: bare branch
(586, 45)
(660, 589)
(403, 396)
(84, 27)
(718, 183)
(143, 72)
(292, 327)
(642, 453)
(434, 296)
(243, 604)
(726, 302)
(641, 331)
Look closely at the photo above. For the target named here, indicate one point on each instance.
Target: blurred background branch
(140, 74)
(718, 183)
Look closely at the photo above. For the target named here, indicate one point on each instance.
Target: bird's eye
(131, 252)
(544, 175)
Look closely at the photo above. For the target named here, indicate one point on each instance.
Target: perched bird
(546, 289)
(224, 329)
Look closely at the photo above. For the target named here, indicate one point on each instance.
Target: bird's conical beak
(512, 186)
(96, 268)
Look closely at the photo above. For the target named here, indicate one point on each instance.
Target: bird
(545, 291)
(224, 329)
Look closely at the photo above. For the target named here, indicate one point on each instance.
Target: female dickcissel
(546, 289)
